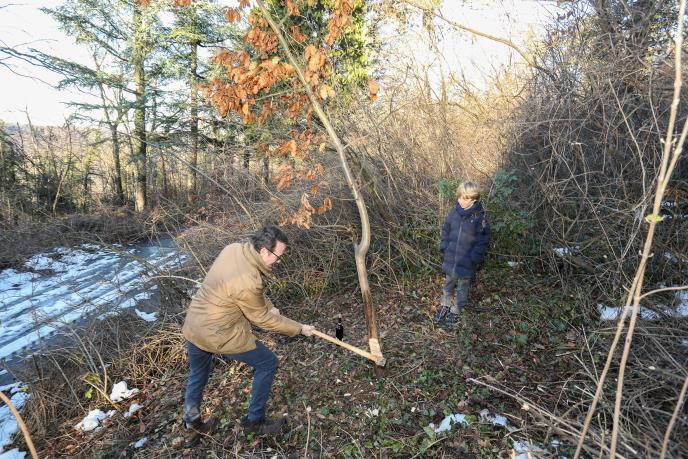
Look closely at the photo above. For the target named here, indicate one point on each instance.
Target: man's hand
(307, 330)
(275, 311)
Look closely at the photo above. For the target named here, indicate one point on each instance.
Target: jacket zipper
(456, 249)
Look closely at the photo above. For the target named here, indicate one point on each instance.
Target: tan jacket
(231, 299)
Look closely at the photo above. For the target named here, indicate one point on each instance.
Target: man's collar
(255, 259)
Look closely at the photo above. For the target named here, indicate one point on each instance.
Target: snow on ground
(562, 251)
(8, 424)
(121, 392)
(14, 453)
(140, 443)
(458, 418)
(680, 309)
(133, 408)
(682, 306)
(92, 420)
(148, 317)
(36, 305)
(522, 449)
(497, 419)
(528, 450)
(447, 422)
(67, 285)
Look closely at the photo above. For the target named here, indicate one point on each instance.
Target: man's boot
(450, 320)
(194, 431)
(441, 313)
(265, 426)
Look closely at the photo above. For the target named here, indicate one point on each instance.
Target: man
(219, 322)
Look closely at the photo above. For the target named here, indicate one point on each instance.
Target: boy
(465, 236)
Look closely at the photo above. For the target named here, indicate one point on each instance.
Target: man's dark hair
(267, 237)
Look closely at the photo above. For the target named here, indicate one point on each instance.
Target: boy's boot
(441, 313)
(263, 427)
(194, 431)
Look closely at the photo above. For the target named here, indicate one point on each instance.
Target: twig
(636, 287)
(308, 430)
(663, 180)
(665, 289)
(176, 277)
(674, 416)
(22, 426)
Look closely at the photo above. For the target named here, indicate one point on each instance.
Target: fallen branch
(22, 426)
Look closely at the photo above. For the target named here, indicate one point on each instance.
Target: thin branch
(22, 426)
(427, 9)
(674, 416)
(665, 289)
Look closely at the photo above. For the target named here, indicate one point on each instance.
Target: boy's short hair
(468, 190)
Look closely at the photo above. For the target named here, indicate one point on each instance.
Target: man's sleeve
(256, 308)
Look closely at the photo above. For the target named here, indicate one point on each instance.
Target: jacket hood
(475, 208)
(254, 258)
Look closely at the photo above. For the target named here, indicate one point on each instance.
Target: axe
(375, 353)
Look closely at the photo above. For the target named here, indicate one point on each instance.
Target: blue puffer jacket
(465, 236)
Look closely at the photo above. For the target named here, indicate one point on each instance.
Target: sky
(23, 25)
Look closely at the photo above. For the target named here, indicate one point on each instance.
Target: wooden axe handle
(353, 349)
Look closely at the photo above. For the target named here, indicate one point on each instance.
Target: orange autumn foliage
(248, 82)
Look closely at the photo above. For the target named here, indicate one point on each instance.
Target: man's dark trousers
(262, 359)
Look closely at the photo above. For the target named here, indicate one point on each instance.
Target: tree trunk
(114, 138)
(193, 177)
(163, 169)
(139, 113)
(360, 248)
(65, 172)
(119, 189)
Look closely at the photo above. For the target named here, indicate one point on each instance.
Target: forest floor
(516, 333)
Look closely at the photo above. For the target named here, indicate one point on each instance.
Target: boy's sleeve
(445, 234)
(482, 240)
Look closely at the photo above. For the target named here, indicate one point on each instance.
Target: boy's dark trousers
(462, 286)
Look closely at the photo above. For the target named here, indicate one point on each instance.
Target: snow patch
(140, 443)
(445, 425)
(121, 392)
(8, 423)
(681, 309)
(525, 450)
(92, 420)
(12, 388)
(42, 262)
(497, 419)
(148, 317)
(682, 306)
(133, 408)
(35, 306)
(13, 454)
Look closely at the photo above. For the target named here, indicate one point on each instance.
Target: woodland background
(567, 142)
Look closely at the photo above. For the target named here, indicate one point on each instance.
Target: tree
(268, 78)
(121, 36)
(9, 160)
(197, 25)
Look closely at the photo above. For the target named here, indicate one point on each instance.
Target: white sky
(22, 25)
